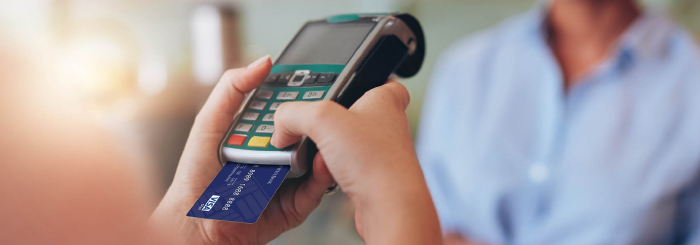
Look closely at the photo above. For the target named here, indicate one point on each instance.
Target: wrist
(171, 222)
(387, 183)
(402, 210)
(400, 219)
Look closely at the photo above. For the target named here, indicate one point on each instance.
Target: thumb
(223, 103)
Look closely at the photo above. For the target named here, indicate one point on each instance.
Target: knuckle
(228, 75)
(401, 90)
(385, 92)
(404, 95)
(282, 108)
(398, 94)
(283, 111)
(375, 92)
(323, 110)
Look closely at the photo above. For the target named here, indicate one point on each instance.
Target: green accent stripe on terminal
(343, 18)
(312, 68)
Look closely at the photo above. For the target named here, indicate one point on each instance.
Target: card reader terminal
(339, 59)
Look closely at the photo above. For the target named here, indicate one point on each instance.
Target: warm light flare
(93, 67)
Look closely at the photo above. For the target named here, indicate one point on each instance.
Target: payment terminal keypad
(254, 127)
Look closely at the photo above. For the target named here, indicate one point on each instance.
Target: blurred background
(142, 69)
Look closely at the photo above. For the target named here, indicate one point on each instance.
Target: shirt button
(538, 172)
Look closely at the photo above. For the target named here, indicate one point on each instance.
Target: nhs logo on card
(210, 203)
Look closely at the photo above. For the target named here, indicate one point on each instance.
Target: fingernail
(259, 61)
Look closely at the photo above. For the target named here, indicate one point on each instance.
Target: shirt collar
(536, 18)
(643, 39)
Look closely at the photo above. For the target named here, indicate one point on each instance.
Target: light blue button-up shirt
(512, 158)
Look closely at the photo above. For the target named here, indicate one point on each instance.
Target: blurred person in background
(576, 123)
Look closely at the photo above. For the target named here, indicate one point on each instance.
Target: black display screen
(325, 43)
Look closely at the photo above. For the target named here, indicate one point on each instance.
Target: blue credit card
(240, 192)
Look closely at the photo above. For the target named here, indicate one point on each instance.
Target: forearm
(398, 213)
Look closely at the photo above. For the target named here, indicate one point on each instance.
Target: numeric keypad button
(257, 105)
(264, 94)
(250, 116)
(313, 95)
(267, 129)
(269, 117)
(244, 127)
(275, 105)
(287, 95)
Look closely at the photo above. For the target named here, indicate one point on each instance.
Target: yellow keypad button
(259, 141)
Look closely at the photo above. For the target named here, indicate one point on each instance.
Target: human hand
(199, 165)
(369, 151)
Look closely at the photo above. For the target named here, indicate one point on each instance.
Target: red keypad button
(236, 139)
